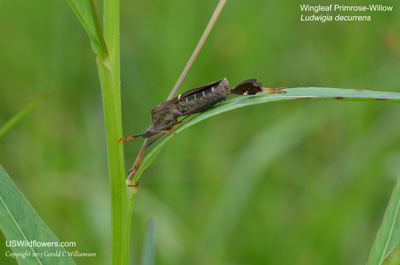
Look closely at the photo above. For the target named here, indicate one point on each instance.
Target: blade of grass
(148, 245)
(388, 236)
(20, 222)
(21, 114)
(292, 94)
(99, 33)
(88, 18)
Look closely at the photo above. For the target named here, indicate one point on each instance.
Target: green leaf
(19, 223)
(388, 236)
(148, 245)
(21, 114)
(291, 94)
(394, 257)
(90, 22)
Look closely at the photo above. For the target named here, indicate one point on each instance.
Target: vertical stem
(122, 197)
(109, 72)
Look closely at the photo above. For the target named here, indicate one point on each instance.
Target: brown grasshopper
(165, 116)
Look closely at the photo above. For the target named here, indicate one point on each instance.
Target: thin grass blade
(21, 114)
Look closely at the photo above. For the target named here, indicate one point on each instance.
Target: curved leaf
(88, 18)
(20, 224)
(388, 236)
(291, 94)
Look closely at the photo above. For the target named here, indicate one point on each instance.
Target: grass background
(303, 182)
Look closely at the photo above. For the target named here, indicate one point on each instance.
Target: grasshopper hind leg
(145, 145)
(138, 160)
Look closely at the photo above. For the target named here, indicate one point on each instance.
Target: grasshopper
(165, 116)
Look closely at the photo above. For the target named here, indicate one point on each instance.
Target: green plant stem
(121, 197)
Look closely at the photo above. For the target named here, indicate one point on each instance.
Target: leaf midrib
(18, 227)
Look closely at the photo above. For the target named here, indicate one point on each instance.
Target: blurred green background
(299, 182)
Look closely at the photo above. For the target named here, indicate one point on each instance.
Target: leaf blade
(20, 222)
(90, 23)
(388, 236)
(394, 257)
(315, 93)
